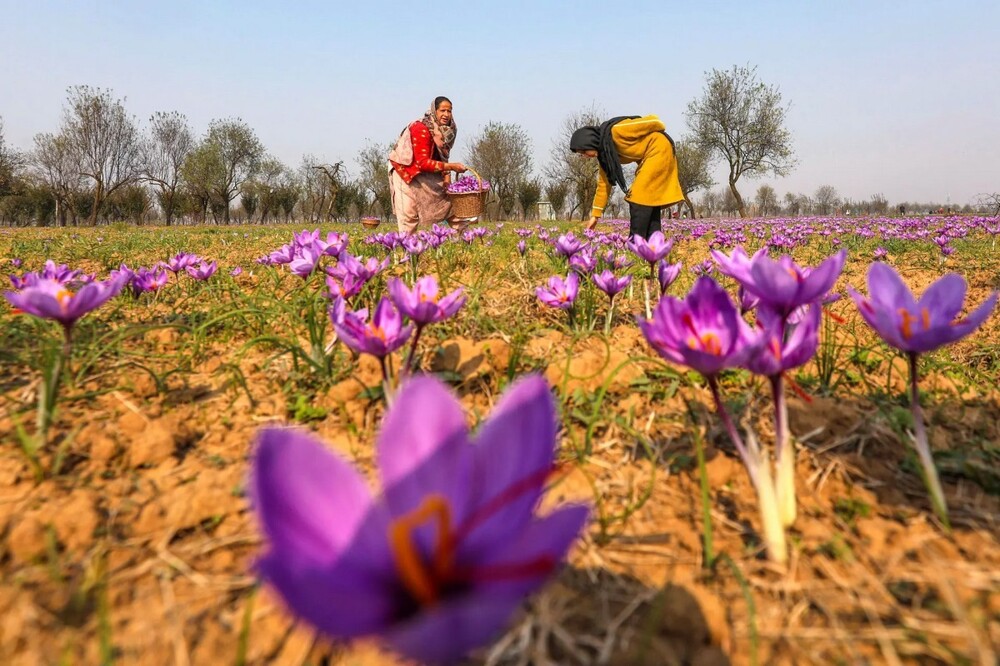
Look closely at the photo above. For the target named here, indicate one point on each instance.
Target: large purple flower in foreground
(421, 304)
(703, 332)
(379, 337)
(918, 326)
(50, 299)
(439, 562)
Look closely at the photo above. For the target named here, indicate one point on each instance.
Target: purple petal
(423, 447)
(309, 500)
(512, 460)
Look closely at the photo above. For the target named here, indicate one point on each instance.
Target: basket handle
(478, 177)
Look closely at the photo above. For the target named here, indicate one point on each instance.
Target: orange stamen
(776, 347)
(906, 327)
(64, 296)
(925, 318)
(421, 581)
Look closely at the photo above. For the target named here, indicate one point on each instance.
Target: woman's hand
(457, 167)
(591, 223)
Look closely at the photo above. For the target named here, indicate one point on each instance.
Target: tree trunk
(739, 199)
(168, 209)
(687, 200)
(98, 197)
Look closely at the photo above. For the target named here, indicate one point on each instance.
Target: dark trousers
(643, 220)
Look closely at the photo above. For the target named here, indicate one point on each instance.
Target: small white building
(545, 210)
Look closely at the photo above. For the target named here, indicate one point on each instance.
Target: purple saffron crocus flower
(436, 565)
(16, 262)
(180, 261)
(203, 271)
(703, 332)
(236, 272)
(567, 245)
(421, 304)
(666, 274)
(413, 245)
(379, 337)
(652, 250)
(783, 347)
(333, 245)
(737, 266)
(361, 268)
(522, 247)
(918, 326)
(50, 299)
(560, 293)
(145, 280)
(283, 255)
(305, 261)
(611, 285)
(784, 285)
(583, 262)
(346, 288)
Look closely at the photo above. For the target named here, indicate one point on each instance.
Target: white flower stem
(923, 448)
(759, 468)
(784, 452)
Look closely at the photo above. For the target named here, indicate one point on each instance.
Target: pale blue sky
(896, 97)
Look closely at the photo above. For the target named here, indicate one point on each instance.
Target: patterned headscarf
(444, 135)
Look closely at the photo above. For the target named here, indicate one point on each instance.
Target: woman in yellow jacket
(625, 140)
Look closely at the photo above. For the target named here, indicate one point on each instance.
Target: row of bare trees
(102, 166)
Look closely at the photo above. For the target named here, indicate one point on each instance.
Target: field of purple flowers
(743, 441)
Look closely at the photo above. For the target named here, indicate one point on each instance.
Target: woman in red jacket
(417, 177)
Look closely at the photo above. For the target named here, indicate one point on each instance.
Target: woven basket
(468, 204)
(371, 224)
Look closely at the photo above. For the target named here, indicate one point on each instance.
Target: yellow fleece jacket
(642, 140)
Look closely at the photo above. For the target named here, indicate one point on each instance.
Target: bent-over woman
(624, 140)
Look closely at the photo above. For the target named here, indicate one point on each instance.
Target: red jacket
(424, 154)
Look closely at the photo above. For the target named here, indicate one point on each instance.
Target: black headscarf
(599, 139)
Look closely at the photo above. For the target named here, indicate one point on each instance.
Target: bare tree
(878, 204)
(579, 173)
(989, 201)
(742, 119)
(693, 164)
(556, 191)
(106, 140)
(169, 144)
(55, 163)
(10, 162)
(711, 203)
(374, 178)
(501, 153)
(826, 199)
(766, 200)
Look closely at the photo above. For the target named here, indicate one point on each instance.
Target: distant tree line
(103, 166)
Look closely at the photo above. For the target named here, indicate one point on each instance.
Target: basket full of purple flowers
(468, 195)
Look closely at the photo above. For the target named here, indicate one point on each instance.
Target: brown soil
(145, 539)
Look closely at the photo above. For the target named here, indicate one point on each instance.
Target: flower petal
(512, 456)
(943, 299)
(423, 447)
(309, 500)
